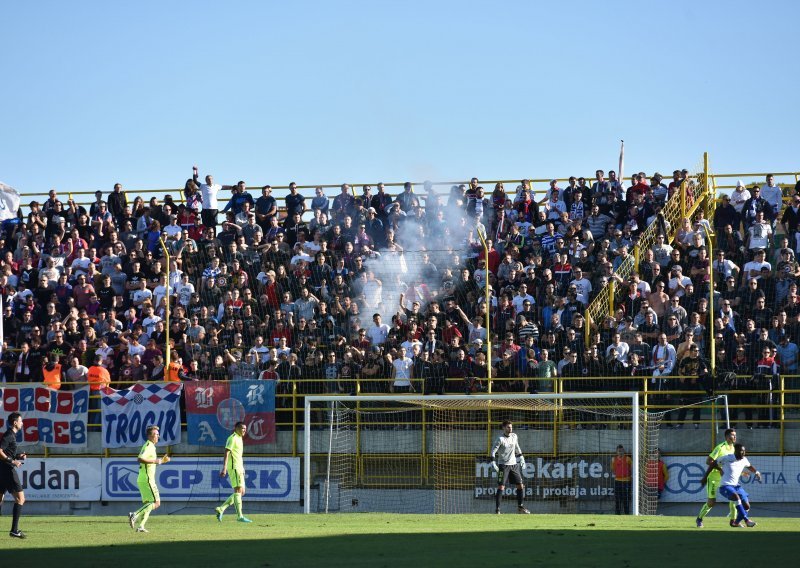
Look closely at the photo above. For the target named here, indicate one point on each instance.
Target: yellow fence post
(611, 291)
(587, 332)
(782, 448)
(488, 303)
(168, 355)
(682, 190)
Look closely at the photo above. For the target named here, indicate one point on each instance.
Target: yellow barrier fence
(748, 407)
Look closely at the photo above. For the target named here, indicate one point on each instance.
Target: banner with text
(780, 482)
(128, 412)
(569, 477)
(214, 407)
(61, 479)
(197, 479)
(52, 418)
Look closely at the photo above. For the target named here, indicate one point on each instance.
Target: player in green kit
(722, 449)
(148, 460)
(233, 466)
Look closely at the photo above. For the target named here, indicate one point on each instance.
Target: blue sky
(313, 92)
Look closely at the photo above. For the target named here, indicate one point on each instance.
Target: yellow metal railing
(783, 410)
(721, 182)
(693, 194)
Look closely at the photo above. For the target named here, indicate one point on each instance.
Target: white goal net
(430, 454)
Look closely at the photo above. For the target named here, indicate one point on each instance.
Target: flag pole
(621, 176)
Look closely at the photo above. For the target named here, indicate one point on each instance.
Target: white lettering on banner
(206, 432)
(574, 477)
(544, 469)
(780, 482)
(204, 398)
(257, 429)
(197, 479)
(50, 417)
(255, 395)
(61, 479)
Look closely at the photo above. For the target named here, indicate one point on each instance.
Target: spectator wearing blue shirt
(320, 201)
(266, 207)
(788, 354)
(239, 198)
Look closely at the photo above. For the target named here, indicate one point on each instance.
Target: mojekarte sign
(569, 477)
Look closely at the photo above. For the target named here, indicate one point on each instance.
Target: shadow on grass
(542, 547)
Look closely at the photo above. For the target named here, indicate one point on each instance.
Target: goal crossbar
(489, 401)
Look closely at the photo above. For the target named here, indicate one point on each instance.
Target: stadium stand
(592, 285)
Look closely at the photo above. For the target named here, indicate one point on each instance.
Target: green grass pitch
(408, 541)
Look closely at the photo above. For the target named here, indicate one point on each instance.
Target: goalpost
(430, 454)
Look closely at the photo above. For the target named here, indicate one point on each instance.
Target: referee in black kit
(10, 460)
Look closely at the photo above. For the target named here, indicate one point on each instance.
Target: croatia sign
(128, 412)
(52, 418)
(780, 480)
(214, 407)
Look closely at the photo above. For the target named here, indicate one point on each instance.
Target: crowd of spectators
(388, 290)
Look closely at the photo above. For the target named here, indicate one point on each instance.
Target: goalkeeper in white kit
(508, 461)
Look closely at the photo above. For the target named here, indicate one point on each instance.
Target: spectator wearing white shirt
(142, 295)
(739, 196)
(663, 359)
(184, 290)
(759, 233)
(81, 264)
(161, 291)
(410, 342)
(583, 286)
(522, 296)
(641, 286)
(283, 347)
(661, 251)
(723, 267)
(772, 194)
(555, 206)
(259, 350)
(678, 282)
(150, 320)
(618, 350)
(209, 192)
(752, 269)
(173, 230)
(378, 332)
(402, 373)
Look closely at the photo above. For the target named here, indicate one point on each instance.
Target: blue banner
(197, 479)
(214, 407)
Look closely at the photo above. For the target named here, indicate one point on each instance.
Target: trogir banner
(128, 412)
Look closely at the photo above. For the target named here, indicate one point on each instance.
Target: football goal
(430, 454)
